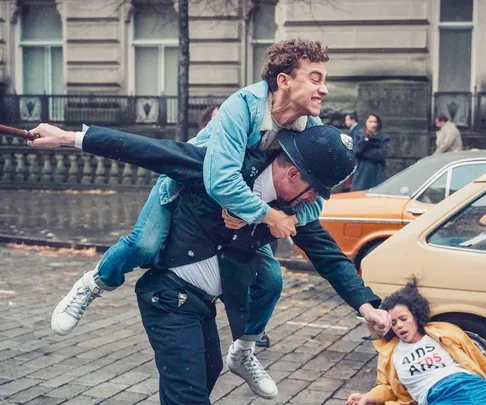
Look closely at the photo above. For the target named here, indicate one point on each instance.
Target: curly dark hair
(409, 297)
(285, 56)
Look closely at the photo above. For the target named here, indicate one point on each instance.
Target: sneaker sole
(261, 394)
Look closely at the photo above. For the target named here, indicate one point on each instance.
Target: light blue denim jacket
(238, 126)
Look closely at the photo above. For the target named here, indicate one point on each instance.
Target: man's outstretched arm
(178, 160)
(332, 264)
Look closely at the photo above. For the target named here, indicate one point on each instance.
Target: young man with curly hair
(290, 96)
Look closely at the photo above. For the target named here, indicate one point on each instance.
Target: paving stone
(30, 393)
(107, 358)
(13, 387)
(106, 390)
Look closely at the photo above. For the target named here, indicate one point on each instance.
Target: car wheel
(474, 326)
(366, 250)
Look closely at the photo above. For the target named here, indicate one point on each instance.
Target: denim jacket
(238, 126)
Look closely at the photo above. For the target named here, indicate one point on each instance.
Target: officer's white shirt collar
(264, 187)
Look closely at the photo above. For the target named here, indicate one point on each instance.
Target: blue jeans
(139, 248)
(264, 292)
(458, 389)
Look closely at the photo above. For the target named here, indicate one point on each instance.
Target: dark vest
(198, 231)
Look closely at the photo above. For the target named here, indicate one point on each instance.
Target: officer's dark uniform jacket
(198, 232)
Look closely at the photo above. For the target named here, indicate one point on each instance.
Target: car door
(445, 183)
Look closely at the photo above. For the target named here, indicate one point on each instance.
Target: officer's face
(290, 184)
(307, 87)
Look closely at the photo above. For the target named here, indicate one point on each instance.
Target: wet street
(318, 354)
(72, 216)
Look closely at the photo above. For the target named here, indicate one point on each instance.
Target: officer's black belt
(192, 288)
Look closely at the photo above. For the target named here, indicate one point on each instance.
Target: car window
(463, 175)
(465, 230)
(435, 193)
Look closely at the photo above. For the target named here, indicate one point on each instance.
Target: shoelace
(255, 368)
(84, 296)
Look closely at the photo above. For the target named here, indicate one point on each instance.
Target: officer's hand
(52, 137)
(231, 222)
(281, 225)
(379, 319)
(360, 399)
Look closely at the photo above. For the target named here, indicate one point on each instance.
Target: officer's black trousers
(183, 334)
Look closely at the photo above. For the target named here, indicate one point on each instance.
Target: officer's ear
(293, 173)
(283, 81)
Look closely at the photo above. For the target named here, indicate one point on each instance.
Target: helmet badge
(347, 141)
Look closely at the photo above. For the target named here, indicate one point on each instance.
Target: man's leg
(186, 344)
(139, 248)
(265, 290)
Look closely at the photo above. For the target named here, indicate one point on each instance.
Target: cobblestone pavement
(318, 355)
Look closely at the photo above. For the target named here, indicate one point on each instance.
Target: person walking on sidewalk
(448, 137)
(184, 337)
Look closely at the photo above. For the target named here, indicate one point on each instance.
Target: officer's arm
(331, 263)
(179, 160)
(230, 129)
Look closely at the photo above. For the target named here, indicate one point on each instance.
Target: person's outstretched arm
(180, 161)
(332, 264)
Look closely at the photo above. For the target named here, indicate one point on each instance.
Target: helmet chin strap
(299, 195)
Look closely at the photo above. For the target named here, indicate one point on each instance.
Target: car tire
(366, 250)
(474, 326)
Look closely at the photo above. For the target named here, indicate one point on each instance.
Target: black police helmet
(323, 155)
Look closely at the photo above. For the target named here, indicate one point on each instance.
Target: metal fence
(103, 110)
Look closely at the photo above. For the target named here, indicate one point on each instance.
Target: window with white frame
(41, 50)
(264, 29)
(456, 23)
(155, 42)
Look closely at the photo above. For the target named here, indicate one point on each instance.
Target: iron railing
(162, 110)
(103, 110)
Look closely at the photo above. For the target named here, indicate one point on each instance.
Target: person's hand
(51, 137)
(360, 399)
(379, 319)
(231, 222)
(281, 225)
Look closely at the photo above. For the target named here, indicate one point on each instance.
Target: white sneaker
(245, 365)
(71, 308)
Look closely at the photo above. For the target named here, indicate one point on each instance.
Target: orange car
(359, 221)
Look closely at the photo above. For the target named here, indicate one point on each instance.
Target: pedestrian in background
(447, 138)
(207, 115)
(351, 122)
(371, 149)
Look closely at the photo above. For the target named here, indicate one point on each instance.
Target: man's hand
(379, 319)
(281, 225)
(231, 222)
(51, 137)
(360, 399)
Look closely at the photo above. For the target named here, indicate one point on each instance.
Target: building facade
(116, 60)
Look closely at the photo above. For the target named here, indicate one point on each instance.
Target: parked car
(446, 250)
(360, 221)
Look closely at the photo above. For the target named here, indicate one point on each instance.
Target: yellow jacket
(389, 389)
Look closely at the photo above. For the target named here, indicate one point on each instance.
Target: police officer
(177, 300)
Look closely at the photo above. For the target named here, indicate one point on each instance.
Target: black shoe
(264, 341)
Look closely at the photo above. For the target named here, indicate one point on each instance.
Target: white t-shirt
(421, 365)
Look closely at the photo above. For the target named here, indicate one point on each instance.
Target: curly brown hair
(409, 297)
(285, 56)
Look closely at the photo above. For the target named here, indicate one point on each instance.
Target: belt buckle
(214, 299)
